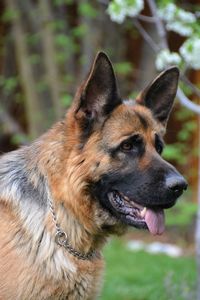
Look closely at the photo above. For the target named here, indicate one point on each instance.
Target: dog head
(121, 143)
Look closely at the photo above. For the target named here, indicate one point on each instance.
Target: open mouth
(137, 215)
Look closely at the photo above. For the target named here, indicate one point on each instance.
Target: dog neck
(69, 233)
(79, 216)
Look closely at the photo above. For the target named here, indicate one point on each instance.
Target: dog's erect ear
(159, 95)
(99, 94)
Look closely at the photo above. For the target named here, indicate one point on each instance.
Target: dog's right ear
(98, 95)
(159, 95)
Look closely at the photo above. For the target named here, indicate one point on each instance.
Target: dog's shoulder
(17, 182)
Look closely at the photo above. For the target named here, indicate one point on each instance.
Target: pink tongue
(155, 221)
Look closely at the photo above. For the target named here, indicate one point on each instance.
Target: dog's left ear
(160, 94)
(99, 94)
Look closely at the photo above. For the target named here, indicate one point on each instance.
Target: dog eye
(159, 148)
(158, 145)
(130, 144)
(126, 146)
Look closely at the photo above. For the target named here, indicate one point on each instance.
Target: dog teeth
(143, 212)
(119, 200)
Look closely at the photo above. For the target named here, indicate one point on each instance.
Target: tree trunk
(25, 71)
(49, 56)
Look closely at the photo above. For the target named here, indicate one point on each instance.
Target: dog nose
(176, 184)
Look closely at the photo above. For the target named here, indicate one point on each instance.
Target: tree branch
(159, 24)
(191, 85)
(146, 18)
(164, 45)
(187, 103)
(146, 36)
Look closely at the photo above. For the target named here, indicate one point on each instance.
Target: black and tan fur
(102, 145)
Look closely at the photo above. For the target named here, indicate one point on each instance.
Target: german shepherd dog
(91, 175)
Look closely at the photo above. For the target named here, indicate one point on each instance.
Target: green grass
(181, 214)
(141, 276)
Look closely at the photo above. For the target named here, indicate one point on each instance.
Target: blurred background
(46, 50)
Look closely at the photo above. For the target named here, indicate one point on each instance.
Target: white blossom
(134, 7)
(190, 51)
(166, 58)
(120, 9)
(180, 28)
(177, 19)
(167, 13)
(116, 11)
(186, 16)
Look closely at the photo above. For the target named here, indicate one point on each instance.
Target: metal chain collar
(61, 237)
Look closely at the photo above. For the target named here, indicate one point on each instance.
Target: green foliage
(183, 114)
(133, 95)
(66, 100)
(163, 3)
(179, 150)
(58, 25)
(33, 39)
(79, 31)
(182, 214)
(87, 9)
(67, 46)
(62, 40)
(67, 79)
(142, 276)
(41, 86)
(175, 152)
(62, 2)
(18, 139)
(196, 28)
(9, 15)
(35, 59)
(185, 133)
(8, 84)
(123, 68)
(61, 57)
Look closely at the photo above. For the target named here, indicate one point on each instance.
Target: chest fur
(74, 279)
(82, 281)
(48, 273)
